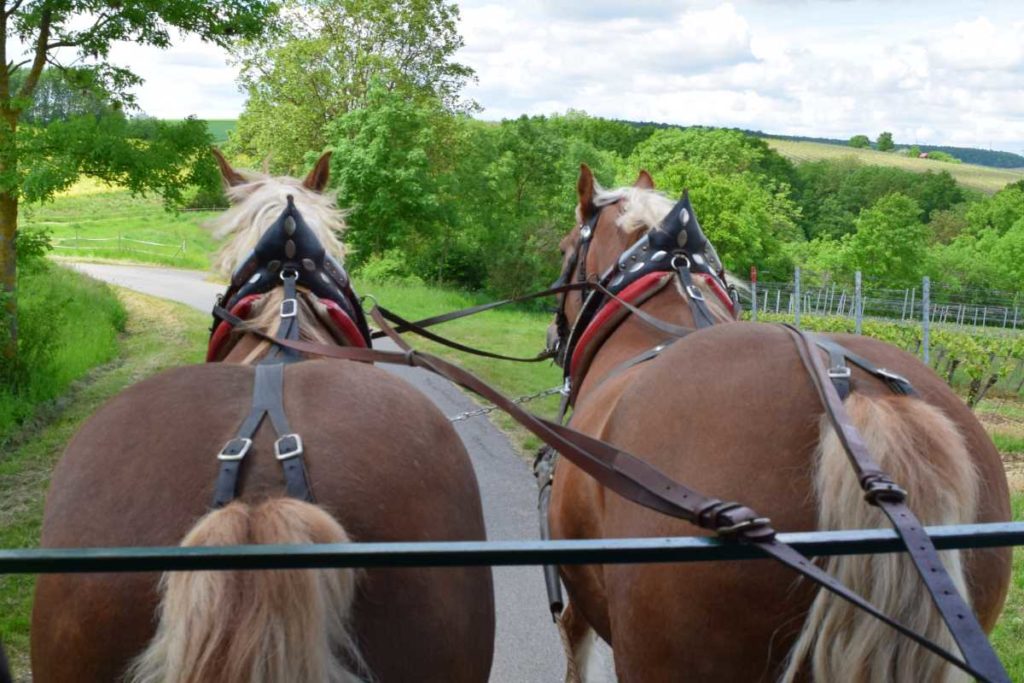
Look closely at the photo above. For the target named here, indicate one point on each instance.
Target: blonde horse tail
(924, 452)
(255, 626)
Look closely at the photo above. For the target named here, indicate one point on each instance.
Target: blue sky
(930, 72)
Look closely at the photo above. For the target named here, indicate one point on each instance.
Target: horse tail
(923, 451)
(255, 626)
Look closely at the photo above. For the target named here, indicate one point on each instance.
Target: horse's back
(380, 458)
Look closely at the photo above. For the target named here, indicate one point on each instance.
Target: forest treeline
(445, 197)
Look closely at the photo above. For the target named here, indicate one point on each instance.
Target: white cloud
(952, 74)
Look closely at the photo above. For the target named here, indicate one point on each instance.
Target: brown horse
(383, 463)
(731, 411)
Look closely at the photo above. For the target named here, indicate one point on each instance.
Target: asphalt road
(526, 647)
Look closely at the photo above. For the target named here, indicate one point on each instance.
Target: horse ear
(585, 191)
(317, 178)
(231, 176)
(644, 181)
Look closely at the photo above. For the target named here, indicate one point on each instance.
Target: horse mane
(643, 208)
(257, 203)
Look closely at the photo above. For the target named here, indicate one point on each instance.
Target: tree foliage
(884, 143)
(323, 60)
(860, 142)
(46, 143)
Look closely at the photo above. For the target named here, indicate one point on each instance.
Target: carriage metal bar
(475, 553)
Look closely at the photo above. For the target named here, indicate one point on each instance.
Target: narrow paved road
(526, 647)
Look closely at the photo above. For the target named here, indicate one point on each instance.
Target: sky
(930, 72)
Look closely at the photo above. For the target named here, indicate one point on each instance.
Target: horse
(382, 463)
(730, 411)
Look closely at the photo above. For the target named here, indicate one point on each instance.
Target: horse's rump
(381, 459)
(731, 412)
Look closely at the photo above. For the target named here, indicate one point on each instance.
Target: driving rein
(638, 481)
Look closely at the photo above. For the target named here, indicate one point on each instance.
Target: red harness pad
(223, 331)
(716, 287)
(611, 314)
(344, 326)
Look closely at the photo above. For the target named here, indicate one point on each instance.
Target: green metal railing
(495, 553)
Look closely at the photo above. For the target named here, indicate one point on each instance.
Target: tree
(884, 143)
(321, 62)
(890, 242)
(860, 142)
(35, 160)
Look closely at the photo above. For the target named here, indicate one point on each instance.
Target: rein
(639, 482)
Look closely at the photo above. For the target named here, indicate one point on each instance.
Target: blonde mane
(643, 208)
(257, 203)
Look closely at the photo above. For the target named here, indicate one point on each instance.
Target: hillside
(219, 128)
(982, 178)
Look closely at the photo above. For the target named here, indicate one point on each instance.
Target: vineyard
(976, 362)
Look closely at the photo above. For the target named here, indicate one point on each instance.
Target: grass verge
(158, 335)
(1008, 636)
(68, 324)
(508, 331)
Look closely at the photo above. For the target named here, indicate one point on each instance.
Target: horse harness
(679, 243)
(675, 247)
(288, 252)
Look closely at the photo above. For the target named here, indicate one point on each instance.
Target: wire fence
(990, 316)
(977, 308)
(121, 243)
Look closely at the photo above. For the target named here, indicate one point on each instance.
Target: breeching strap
(630, 477)
(882, 492)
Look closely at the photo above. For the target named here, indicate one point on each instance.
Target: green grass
(508, 331)
(158, 335)
(1008, 636)
(1008, 443)
(68, 324)
(96, 221)
(981, 178)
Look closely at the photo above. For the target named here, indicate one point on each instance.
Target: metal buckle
(839, 372)
(884, 490)
(288, 446)
(743, 526)
(694, 293)
(566, 387)
(235, 449)
(289, 308)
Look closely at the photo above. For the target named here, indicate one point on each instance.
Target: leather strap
(267, 400)
(698, 307)
(882, 492)
(631, 477)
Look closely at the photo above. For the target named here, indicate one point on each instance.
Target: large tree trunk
(8, 250)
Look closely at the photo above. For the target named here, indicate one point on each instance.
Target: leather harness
(288, 252)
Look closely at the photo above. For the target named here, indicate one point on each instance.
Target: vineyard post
(858, 308)
(796, 296)
(1014, 317)
(925, 295)
(778, 299)
(910, 310)
(906, 296)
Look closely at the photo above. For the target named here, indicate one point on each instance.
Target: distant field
(981, 178)
(94, 220)
(219, 128)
